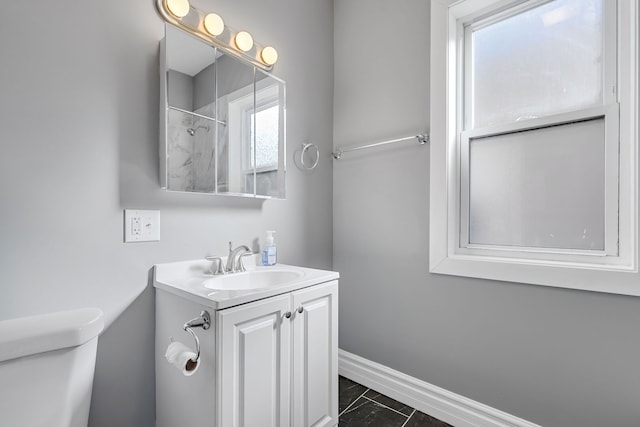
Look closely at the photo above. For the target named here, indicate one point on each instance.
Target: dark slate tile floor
(363, 407)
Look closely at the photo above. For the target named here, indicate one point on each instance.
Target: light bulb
(244, 41)
(178, 8)
(213, 24)
(269, 55)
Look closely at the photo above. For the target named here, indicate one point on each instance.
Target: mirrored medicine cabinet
(222, 122)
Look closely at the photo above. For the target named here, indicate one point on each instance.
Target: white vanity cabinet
(269, 357)
(278, 360)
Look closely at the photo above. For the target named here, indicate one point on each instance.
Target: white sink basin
(252, 279)
(193, 280)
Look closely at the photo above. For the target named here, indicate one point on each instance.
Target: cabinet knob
(300, 309)
(287, 315)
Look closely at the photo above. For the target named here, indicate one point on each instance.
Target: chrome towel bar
(422, 138)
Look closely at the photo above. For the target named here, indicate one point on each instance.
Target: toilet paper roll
(182, 358)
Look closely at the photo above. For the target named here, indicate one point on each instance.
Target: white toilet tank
(47, 364)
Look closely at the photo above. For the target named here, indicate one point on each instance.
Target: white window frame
(614, 270)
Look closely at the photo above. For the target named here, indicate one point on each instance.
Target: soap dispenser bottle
(269, 251)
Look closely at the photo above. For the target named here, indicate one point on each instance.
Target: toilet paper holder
(203, 321)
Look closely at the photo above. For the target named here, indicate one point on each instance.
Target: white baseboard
(444, 405)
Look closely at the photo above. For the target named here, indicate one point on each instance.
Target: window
(539, 132)
(533, 159)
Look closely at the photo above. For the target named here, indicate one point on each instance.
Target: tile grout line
(408, 418)
(387, 407)
(351, 404)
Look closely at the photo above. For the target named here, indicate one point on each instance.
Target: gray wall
(556, 357)
(79, 138)
(232, 75)
(180, 91)
(204, 92)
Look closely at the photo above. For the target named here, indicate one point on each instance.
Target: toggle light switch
(141, 225)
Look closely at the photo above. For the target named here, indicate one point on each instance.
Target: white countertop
(186, 279)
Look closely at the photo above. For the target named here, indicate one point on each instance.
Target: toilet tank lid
(24, 336)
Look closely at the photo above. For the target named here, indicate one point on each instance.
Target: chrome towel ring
(305, 148)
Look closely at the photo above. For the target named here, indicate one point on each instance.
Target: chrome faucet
(234, 259)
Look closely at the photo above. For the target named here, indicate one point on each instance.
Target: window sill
(621, 280)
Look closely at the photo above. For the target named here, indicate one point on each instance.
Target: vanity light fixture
(213, 24)
(269, 55)
(243, 41)
(178, 8)
(211, 29)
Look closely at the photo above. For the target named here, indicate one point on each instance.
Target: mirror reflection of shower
(192, 131)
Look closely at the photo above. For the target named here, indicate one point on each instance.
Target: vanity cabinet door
(254, 365)
(315, 356)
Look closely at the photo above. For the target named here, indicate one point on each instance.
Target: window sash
(505, 10)
(610, 115)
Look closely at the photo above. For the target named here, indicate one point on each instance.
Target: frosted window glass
(266, 137)
(543, 61)
(543, 188)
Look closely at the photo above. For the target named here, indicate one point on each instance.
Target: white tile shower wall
(204, 161)
(180, 151)
(222, 144)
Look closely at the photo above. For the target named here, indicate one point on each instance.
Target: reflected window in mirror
(264, 131)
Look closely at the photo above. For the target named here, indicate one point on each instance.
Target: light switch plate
(141, 225)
